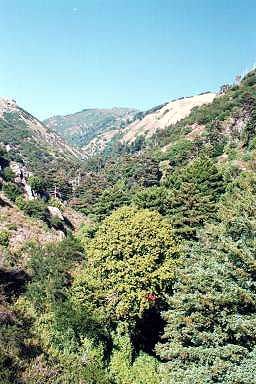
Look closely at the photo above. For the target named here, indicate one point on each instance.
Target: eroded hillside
(81, 128)
(165, 116)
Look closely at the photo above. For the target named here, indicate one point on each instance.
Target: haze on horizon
(64, 56)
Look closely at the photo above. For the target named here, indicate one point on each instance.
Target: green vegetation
(4, 238)
(44, 158)
(91, 123)
(12, 190)
(131, 257)
(178, 152)
(159, 286)
(8, 174)
(34, 208)
(211, 319)
(36, 184)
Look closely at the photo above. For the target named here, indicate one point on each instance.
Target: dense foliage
(130, 263)
(159, 287)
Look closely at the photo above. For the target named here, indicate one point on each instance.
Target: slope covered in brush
(82, 127)
(160, 286)
(30, 142)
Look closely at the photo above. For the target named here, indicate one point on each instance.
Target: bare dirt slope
(167, 115)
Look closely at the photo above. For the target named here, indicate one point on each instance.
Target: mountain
(82, 127)
(93, 130)
(19, 126)
(31, 142)
(158, 286)
(159, 118)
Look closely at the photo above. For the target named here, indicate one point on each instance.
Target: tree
(70, 340)
(130, 263)
(111, 199)
(34, 208)
(196, 190)
(36, 184)
(8, 174)
(158, 198)
(124, 369)
(211, 318)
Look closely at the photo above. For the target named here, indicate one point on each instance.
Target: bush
(252, 144)
(179, 151)
(56, 222)
(20, 202)
(33, 208)
(124, 369)
(154, 198)
(69, 352)
(36, 184)
(8, 174)
(12, 191)
(210, 321)
(111, 199)
(4, 238)
(3, 152)
(57, 203)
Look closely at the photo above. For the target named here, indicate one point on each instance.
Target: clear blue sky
(59, 56)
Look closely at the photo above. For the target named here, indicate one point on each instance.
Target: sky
(61, 56)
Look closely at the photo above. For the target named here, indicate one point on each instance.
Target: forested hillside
(94, 131)
(156, 283)
(80, 128)
(29, 142)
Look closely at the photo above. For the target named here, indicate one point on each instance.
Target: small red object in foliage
(151, 297)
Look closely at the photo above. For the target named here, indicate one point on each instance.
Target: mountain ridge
(82, 126)
(133, 124)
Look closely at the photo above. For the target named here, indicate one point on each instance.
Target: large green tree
(210, 324)
(196, 190)
(130, 263)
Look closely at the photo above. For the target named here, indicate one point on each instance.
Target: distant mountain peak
(91, 129)
(83, 126)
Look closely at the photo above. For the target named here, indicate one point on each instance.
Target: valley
(127, 243)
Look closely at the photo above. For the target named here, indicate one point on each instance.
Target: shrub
(36, 184)
(56, 222)
(4, 238)
(8, 174)
(3, 152)
(57, 203)
(179, 151)
(111, 199)
(210, 319)
(20, 202)
(195, 189)
(252, 144)
(12, 191)
(12, 227)
(125, 369)
(154, 198)
(34, 208)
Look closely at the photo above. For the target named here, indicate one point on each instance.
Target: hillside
(154, 280)
(17, 124)
(82, 127)
(29, 212)
(29, 141)
(95, 130)
(169, 114)
(21, 229)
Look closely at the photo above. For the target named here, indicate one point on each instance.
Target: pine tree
(211, 320)
(197, 188)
